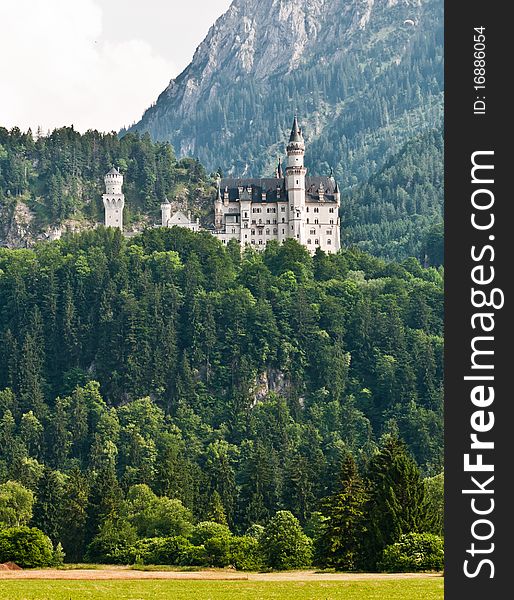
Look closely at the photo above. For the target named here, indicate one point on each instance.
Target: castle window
(268, 222)
(253, 231)
(331, 210)
(316, 221)
(274, 230)
(307, 209)
(309, 241)
(233, 230)
(316, 242)
(260, 231)
(283, 220)
(274, 221)
(313, 232)
(329, 242)
(253, 241)
(292, 207)
(307, 220)
(246, 235)
(283, 209)
(331, 221)
(267, 231)
(283, 231)
(316, 210)
(260, 242)
(329, 232)
(246, 215)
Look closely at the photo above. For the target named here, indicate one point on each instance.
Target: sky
(94, 64)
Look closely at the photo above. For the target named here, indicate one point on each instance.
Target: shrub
(28, 547)
(283, 544)
(208, 529)
(112, 542)
(414, 552)
(245, 553)
(164, 551)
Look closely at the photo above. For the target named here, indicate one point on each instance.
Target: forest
(168, 399)
(59, 175)
(397, 213)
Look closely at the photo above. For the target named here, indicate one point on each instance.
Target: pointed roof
(336, 189)
(296, 132)
(280, 173)
(218, 191)
(114, 171)
(166, 201)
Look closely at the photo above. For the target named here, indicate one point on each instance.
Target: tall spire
(279, 171)
(218, 191)
(296, 132)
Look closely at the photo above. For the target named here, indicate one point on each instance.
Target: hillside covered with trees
(59, 177)
(156, 383)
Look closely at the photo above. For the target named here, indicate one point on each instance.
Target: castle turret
(218, 210)
(166, 212)
(114, 199)
(337, 195)
(295, 182)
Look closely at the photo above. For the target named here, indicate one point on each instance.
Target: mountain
(365, 76)
(398, 212)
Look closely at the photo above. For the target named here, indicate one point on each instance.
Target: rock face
(264, 59)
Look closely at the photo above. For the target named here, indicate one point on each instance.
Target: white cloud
(54, 71)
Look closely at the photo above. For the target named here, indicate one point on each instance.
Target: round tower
(218, 209)
(295, 182)
(114, 199)
(166, 212)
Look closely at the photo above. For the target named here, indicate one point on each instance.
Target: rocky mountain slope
(364, 75)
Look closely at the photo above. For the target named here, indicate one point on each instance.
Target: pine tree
(397, 503)
(340, 542)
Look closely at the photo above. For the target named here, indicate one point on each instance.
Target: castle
(255, 211)
(114, 199)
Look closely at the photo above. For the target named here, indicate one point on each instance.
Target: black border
(464, 134)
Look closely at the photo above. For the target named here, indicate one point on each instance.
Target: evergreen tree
(397, 503)
(339, 543)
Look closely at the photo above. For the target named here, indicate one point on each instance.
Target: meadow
(401, 589)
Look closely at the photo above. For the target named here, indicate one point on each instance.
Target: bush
(28, 547)
(164, 551)
(112, 542)
(414, 552)
(245, 553)
(283, 544)
(209, 529)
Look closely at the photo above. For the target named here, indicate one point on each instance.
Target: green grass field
(421, 589)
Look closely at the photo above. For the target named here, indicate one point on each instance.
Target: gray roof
(270, 184)
(296, 132)
(114, 171)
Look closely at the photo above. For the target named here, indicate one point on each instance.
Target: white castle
(178, 219)
(114, 199)
(255, 211)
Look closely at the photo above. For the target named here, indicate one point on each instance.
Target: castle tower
(295, 183)
(114, 199)
(218, 210)
(166, 212)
